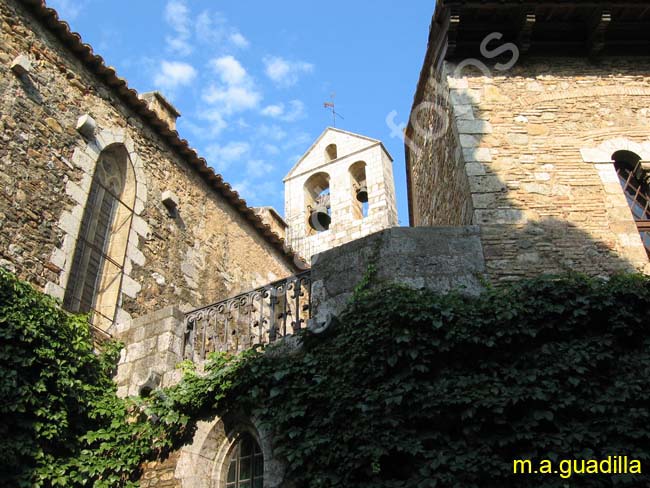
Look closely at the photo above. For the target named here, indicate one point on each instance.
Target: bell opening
(362, 194)
(320, 219)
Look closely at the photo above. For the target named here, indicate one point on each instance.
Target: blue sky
(250, 77)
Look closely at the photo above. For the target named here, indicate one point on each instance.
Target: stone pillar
(153, 349)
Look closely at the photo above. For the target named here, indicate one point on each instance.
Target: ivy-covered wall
(405, 389)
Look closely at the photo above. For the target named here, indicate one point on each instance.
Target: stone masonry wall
(207, 252)
(437, 258)
(160, 474)
(435, 161)
(543, 203)
(346, 224)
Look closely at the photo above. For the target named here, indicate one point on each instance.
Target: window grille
(94, 267)
(246, 467)
(637, 192)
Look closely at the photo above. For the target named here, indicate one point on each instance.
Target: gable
(346, 143)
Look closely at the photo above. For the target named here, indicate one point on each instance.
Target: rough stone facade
(527, 136)
(349, 151)
(435, 159)
(206, 251)
(160, 474)
(436, 258)
(274, 220)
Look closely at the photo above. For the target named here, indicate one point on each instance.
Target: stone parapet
(437, 258)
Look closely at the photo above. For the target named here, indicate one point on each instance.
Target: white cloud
(272, 132)
(297, 140)
(232, 99)
(286, 73)
(67, 9)
(209, 28)
(236, 91)
(177, 15)
(230, 70)
(239, 40)
(271, 149)
(221, 157)
(172, 74)
(259, 191)
(215, 120)
(273, 110)
(256, 168)
(295, 111)
(213, 28)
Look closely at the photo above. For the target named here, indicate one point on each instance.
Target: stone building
(532, 120)
(163, 225)
(104, 206)
(525, 152)
(340, 190)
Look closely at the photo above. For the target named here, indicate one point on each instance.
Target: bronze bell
(319, 219)
(362, 193)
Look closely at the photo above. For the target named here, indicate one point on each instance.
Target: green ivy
(417, 390)
(406, 389)
(62, 423)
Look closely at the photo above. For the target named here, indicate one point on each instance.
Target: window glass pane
(637, 195)
(245, 467)
(246, 445)
(96, 272)
(258, 468)
(232, 470)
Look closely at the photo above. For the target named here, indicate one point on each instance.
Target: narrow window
(359, 197)
(637, 192)
(331, 152)
(96, 273)
(318, 202)
(246, 465)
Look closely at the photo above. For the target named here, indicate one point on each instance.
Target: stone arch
(358, 184)
(317, 193)
(602, 154)
(331, 152)
(86, 157)
(204, 463)
(618, 210)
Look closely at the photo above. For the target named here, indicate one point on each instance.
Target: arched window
(637, 191)
(246, 464)
(331, 152)
(96, 273)
(318, 202)
(359, 197)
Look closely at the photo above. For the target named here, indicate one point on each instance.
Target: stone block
(86, 126)
(474, 127)
(130, 287)
(480, 154)
(486, 184)
(21, 65)
(464, 112)
(467, 141)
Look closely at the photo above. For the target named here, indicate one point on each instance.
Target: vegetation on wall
(61, 423)
(405, 389)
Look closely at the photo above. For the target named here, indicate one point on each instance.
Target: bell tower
(341, 189)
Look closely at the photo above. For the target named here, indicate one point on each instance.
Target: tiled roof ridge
(95, 63)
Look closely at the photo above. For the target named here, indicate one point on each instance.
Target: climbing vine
(405, 389)
(62, 423)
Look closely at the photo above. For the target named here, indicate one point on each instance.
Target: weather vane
(331, 106)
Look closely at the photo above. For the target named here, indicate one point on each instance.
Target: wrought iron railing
(260, 316)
